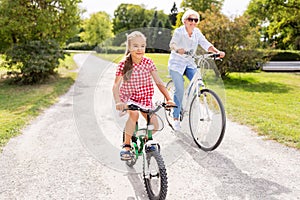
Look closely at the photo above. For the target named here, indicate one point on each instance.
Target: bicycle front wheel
(155, 176)
(207, 120)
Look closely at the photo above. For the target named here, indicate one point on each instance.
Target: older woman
(186, 38)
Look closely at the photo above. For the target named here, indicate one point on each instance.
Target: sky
(230, 8)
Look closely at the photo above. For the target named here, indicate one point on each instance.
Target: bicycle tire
(207, 120)
(156, 182)
(169, 112)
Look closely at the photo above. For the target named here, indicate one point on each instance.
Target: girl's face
(191, 21)
(137, 48)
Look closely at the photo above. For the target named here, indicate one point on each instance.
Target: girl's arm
(119, 105)
(160, 84)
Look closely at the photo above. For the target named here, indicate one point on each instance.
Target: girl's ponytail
(127, 70)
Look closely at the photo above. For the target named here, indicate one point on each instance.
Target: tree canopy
(130, 16)
(280, 21)
(202, 5)
(31, 34)
(232, 36)
(28, 20)
(97, 28)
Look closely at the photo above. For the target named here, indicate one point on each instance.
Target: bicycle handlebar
(215, 56)
(161, 105)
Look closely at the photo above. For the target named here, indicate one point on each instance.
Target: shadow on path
(234, 182)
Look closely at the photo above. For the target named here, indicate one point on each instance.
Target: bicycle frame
(197, 83)
(141, 141)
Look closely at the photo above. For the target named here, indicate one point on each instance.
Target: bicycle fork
(147, 147)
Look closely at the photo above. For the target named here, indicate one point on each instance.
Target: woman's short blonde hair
(189, 13)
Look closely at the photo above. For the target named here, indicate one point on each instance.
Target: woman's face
(191, 21)
(137, 48)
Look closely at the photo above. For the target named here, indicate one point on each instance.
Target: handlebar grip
(131, 107)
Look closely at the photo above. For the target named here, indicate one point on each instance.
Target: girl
(133, 85)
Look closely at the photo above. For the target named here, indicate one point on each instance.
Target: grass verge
(20, 104)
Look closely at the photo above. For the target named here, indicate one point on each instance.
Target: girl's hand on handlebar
(121, 106)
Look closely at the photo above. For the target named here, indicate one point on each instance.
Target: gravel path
(71, 151)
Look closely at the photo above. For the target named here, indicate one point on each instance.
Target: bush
(285, 56)
(81, 46)
(33, 62)
(244, 60)
(110, 50)
(235, 37)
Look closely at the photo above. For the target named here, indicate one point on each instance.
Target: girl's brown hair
(127, 70)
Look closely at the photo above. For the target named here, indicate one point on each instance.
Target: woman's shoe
(176, 125)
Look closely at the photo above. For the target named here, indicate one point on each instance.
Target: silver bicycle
(207, 118)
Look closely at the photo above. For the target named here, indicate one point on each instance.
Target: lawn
(20, 104)
(267, 102)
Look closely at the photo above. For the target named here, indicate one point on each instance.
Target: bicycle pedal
(150, 148)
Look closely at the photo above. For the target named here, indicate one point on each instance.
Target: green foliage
(97, 28)
(280, 21)
(232, 36)
(31, 33)
(34, 61)
(284, 56)
(83, 46)
(110, 50)
(26, 20)
(202, 5)
(130, 16)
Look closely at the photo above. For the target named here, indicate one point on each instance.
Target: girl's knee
(134, 115)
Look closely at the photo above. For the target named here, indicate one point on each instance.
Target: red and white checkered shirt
(139, 88)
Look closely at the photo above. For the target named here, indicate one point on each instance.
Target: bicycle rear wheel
(207, 120)
(169, 112)
(155, 176)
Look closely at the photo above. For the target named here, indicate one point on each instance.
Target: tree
(28, 20)
(232, 36)
(202, 5)
(29, 25)
(129, 17)
(280, 21)
(97, 28)
(173, 14)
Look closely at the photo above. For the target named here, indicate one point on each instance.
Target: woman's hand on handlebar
(170, 103)
(222, 54)
(180, 51)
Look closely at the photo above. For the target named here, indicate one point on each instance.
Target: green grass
(20, 104)
(267, 102)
